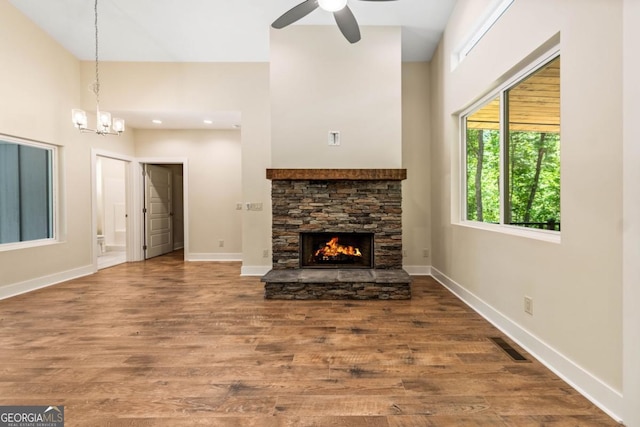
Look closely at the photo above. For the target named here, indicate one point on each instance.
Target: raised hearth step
(365, 284)
(336, 275)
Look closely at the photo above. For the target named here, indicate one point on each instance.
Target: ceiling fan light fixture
(332, 5)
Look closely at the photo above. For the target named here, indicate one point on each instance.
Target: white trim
(417, 270)
(599, 393)
(254, 270)
(630, 214)
(56, 211)
(548, 55)
(213, 256)
(494, 12)
(513, 230)
(15, 289)
(28, 244)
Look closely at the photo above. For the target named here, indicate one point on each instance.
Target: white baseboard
(254, 270)
(212, 257)
(599, 393)
(417, 270)
(44, 281)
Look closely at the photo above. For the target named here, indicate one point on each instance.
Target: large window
(512, 152)
(26, 191)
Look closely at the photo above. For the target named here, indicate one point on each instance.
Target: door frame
(138, 200)
(130, 240)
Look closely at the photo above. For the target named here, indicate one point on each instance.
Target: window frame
(500, 92)
(54, 209)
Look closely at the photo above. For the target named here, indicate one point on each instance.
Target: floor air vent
(512, 352)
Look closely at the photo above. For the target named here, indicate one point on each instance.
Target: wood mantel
(337, 174)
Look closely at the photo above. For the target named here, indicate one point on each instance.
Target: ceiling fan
(341, 12)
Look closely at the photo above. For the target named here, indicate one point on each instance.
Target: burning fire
(334, 249)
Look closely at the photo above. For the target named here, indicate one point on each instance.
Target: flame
(332, 249)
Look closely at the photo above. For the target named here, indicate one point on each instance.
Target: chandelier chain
(96, 88)
(105, 125)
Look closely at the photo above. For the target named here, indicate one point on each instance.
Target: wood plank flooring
(168, 343)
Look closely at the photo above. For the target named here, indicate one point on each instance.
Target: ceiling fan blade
(295, 13)
(347, 24)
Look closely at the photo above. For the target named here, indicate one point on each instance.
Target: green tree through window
(521, 125)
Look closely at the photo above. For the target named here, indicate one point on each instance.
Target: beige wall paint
(576, 285)
(322, 83)
(206, 87)
(215, 183)
(39, 82)
(416, 148)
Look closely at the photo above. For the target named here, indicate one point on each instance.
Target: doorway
(111, 218)
(163, 209)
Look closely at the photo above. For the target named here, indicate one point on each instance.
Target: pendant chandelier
(104, 124)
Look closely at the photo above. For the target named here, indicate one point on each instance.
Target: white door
(158, 224)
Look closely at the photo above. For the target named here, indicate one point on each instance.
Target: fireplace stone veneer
(337, 201)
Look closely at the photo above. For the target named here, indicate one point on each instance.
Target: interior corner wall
(215, 185)
(416, 143)
(631, 220)
(40, 84)
(321, 83)
(576, 285)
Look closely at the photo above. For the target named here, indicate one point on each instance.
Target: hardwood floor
(169, 343)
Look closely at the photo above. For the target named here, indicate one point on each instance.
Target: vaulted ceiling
(215, 30)
(212, 31)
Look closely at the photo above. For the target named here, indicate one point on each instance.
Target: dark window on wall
(512, 152)
(26, 191)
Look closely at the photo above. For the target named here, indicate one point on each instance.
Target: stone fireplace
(342, 211)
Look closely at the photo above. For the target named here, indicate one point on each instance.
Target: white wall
(576, 284)
(320, 83)
(215, 186)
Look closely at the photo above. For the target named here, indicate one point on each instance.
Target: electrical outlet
(404, 254)
(238, 206)
(221, 243)
(265, 253)
(425, 253)
(528, 305)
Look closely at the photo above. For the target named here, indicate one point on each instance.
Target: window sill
(5, 247)
(544, 235)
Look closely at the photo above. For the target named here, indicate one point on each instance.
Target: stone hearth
(341, 201)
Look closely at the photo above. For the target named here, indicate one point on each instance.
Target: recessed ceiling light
(207, 121)
(157, 121)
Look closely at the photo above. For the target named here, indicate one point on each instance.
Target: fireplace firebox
(336, 250)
